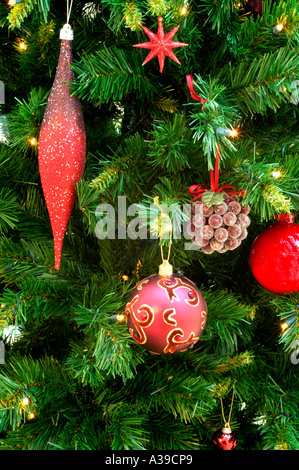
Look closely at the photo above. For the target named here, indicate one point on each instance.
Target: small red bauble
(224, 439)
(166, 313)
(274, 256)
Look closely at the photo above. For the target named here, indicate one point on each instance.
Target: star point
(161, 44)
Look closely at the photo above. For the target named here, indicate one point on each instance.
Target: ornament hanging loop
(227, 429)
(165, 269)
(68, 10)
(66, 32)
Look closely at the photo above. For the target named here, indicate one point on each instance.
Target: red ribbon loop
(198, 189)
(191, 89)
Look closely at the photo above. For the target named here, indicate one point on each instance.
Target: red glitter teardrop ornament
(274, 256)
(62, 146)
(224, 439)
(166, 313)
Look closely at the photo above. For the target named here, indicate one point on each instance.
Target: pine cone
(220, 227)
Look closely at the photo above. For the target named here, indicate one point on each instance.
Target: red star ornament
(161, 44)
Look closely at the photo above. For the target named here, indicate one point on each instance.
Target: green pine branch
(22, 10)
(208, 121)
(270, 188)
(287, 310)
(25, 120)
(9, 210)
(219, 12)
(264, 83)
(111, 73)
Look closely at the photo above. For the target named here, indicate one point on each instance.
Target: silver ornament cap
(66, 32)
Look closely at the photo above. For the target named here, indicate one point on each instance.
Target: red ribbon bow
(198, 189)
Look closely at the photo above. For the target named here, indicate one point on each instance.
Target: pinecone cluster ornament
(219, 222)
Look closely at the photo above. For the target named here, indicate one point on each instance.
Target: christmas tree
(202, 119)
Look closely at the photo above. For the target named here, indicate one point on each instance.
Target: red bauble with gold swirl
(166, 313)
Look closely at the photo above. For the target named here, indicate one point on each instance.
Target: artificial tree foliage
(68, 351)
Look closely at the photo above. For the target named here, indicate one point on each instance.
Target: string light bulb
(227, 132)
(14, 2)
(278, 28)
(167, 227)
(25, 401)
(22, 45)
(284, 326)
(184, 11)
(33, 141)
(276, 174)
(121, 317)
(288, 323)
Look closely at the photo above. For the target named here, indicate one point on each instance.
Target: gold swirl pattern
(140, 337)
(170, 290)
(173, 342)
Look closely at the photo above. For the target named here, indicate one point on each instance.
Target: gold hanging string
(163, 214)
(69, 10)
(227, 423)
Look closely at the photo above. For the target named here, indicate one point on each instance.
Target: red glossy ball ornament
(274, 256)
(224, 439)
(62, 145)
(166, 313)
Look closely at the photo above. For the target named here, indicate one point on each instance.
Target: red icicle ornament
(62, 145)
